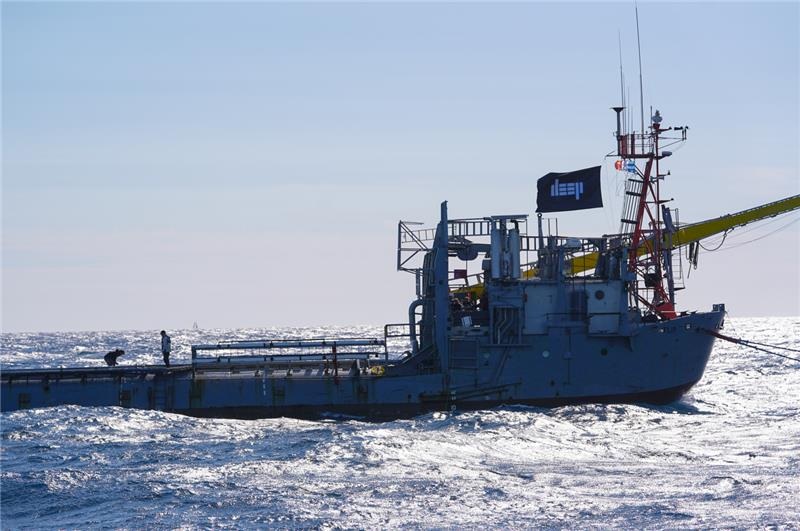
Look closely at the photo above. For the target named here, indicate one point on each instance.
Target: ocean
(727, 455)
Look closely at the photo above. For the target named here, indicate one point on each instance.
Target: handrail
(289, 343)
(306, 347)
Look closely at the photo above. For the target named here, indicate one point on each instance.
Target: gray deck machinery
(500, 317)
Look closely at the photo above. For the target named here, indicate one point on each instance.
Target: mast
(641, 83)
(652, 286)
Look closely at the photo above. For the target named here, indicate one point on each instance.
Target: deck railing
(334, 349)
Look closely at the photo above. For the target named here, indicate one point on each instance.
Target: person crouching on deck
(111, 357)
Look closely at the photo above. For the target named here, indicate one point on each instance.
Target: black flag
(576, 190)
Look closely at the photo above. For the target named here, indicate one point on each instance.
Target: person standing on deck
(166, 347)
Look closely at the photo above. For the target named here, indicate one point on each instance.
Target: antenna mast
(646, 224)
(641, 85)
(621, 80)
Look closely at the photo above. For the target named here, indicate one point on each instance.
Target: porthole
(599, 294)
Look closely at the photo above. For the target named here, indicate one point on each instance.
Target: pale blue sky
(246, 164)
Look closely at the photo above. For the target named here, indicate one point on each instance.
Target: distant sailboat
(195, 327)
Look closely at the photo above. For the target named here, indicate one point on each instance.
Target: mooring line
(774, 346)
(752, 344)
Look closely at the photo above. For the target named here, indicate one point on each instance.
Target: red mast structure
(646, 217)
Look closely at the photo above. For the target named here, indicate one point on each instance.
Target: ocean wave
(726, 455)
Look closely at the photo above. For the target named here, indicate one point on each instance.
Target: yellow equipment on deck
(684, 235)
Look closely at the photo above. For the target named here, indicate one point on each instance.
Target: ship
(500, 316)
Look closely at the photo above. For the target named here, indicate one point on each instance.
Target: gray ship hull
(385, 412)
(655, 363)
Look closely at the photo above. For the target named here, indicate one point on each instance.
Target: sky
(245, 165)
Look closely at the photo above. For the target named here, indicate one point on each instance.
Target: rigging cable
(736, 244)
(724, 235)
(739, 244)
(754, 224)
(752, 344)
(759, 224)
(774, 346)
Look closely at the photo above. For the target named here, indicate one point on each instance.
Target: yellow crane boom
(685, 235)
(693, 232)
